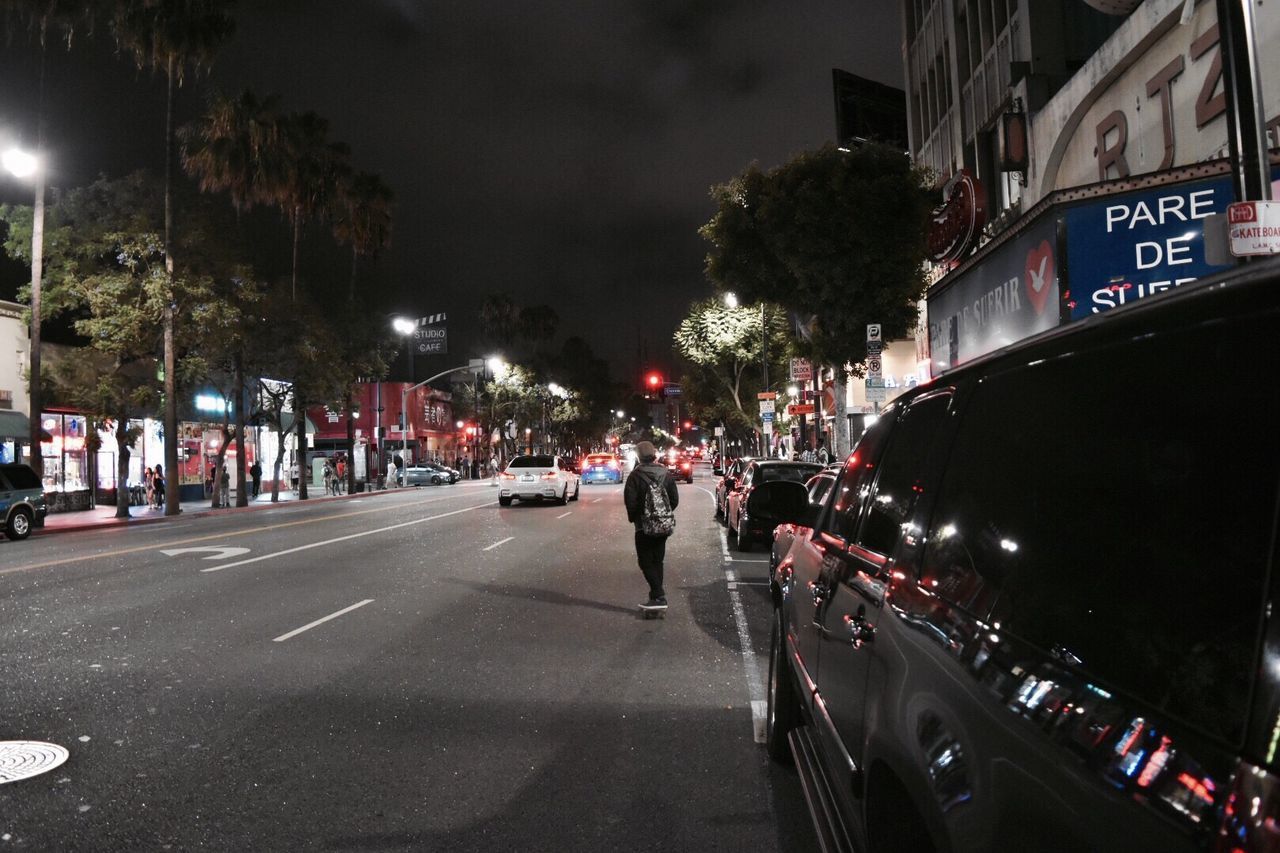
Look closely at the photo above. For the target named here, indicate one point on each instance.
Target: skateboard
(654, 611)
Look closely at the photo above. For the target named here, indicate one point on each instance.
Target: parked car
(22, 503)
(1036, 611)
(744, 529)
(783, 534)
(728, 482)
(538, 478)
(601, 468)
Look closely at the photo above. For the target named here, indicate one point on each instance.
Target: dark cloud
(560, 151)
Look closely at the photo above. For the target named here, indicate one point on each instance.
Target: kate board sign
(1255, 228)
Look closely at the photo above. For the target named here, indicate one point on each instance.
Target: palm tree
(171, 35)
(362, 217)
(312, 167)
(66, 18)
(230, 149)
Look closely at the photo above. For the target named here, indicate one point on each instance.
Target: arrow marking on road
(215, 553)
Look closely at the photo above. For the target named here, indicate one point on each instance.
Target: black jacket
(638, 483)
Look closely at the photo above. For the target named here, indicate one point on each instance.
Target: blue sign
(1124, 247)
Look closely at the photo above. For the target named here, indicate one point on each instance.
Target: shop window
(6, 399)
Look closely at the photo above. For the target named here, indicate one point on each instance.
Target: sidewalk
(104, 516)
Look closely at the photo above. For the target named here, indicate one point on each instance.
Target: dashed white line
(496, 544)
(296, 631)
(344, 538)
(563, 514)
(597, 500)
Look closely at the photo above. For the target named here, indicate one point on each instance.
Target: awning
(286, 420)
(14, 425)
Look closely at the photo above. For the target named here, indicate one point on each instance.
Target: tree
(229, 148)
(172, 35)
(723, 346)
(500, 320)
(106, 270)
(839, 235)
(361, 218)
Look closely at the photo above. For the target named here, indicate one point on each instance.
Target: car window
(1093, 515)
(532, 462)
(898, 486)
(818, 488)
(849, 492)
(748, 475)
(790, 473)
(21, 477)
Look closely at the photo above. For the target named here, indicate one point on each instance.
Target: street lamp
(23, 164)
(405, 327)
(404, 399)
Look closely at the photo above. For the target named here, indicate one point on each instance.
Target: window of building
(1083, 511)
(6, 399)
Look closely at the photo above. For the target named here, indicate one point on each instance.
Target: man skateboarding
(651, 496)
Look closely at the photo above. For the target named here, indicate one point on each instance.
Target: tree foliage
(836, 234)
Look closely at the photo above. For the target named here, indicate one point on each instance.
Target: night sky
(560, 152)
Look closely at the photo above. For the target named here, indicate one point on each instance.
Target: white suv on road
(538, 478)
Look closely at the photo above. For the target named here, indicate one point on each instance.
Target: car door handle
(860, 630)
(819, 591)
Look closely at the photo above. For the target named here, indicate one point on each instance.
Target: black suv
(1035, 612)
(22, 504)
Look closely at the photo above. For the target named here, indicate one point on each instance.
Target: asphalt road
(481, 681)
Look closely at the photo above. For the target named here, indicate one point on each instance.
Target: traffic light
(654, 380)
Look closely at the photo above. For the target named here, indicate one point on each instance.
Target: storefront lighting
(211, 403)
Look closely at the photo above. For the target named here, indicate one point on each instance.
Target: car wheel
(783, 714)
(742, 541)
(19, 526)
(504, 501)
(564, 496)
(576, 490)
(435, 481)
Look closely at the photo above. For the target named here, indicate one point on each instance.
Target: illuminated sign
(212, 403)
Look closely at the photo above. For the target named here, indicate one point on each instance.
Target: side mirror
(780, 502)
(717, 472)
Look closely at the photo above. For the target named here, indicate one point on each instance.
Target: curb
(203, 512)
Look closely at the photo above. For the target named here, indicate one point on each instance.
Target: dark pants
(650, 551)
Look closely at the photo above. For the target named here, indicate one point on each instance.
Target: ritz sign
(1162, 105)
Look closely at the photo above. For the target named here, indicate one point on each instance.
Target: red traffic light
(654, 380)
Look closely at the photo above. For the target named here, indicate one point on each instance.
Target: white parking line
(296, 631)
(499, 542)
(755, 687)
(563, 514)
(344, 538)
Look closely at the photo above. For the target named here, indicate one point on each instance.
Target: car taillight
(549, 475)
(507, 476)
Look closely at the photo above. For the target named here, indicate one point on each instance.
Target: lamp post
(404, 399)
(23, 164)
(731, 300)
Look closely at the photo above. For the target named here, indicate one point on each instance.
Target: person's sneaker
(657, 602)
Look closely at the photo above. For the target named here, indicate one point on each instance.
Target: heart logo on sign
(1039, 275)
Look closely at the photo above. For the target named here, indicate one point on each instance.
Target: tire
(576, 490)
(564, 496)
(504, 501)
(435, 481)
(19, 525)
(783, 714)
(742, 540)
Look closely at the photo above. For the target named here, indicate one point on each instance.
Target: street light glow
(496, 366)
(731, 299)
(620, 413)
(20, 163)
(403, 325)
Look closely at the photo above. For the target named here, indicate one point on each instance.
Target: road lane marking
(740, 560)
(120, 552)
(499, 542)
(755, 687)
(346, 538)
(563, 514)
(296, 631)
(597, 500)
(215, 553)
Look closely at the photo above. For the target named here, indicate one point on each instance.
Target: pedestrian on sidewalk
(226, 486)
(391, 473)
(157, 484)
(149, 481)
(255, 471)
(328, 478)
(651, 496)
(340, 484)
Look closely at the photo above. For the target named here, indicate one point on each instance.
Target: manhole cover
(22, 759)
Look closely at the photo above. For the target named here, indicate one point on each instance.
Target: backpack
(657, 518)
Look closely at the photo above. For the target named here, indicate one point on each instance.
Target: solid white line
(296, 631)
(755, 687)
(740, 560)
(342, 538)
(597, 500)
(563, 514)
(499, 542)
